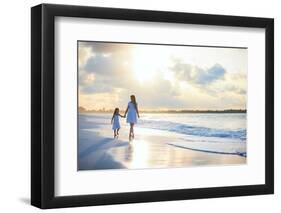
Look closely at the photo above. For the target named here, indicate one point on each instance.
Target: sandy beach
(151, 148)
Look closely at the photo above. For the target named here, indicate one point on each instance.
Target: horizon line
(83, 109)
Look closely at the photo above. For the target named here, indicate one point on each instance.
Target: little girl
(115, 122)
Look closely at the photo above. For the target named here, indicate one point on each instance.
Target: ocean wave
(193, 130)
(87, 120)
(230, 148)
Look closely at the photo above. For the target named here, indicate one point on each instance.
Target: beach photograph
(152, 106)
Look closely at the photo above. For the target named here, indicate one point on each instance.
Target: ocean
(222, 133)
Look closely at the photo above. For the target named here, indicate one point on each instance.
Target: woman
(133, 112)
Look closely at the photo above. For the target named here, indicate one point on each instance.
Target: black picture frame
(43, 105)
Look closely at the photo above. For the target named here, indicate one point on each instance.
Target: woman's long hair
(133, 100)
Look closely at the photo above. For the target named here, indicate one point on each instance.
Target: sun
(148, 62)
(144, 64)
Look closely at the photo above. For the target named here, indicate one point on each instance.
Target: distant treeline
(82, 109)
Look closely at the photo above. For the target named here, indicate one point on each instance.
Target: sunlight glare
(147, 63)
(139, 154)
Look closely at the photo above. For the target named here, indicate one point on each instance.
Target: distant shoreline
(83, 110)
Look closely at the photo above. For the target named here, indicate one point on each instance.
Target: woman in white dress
(132, 112)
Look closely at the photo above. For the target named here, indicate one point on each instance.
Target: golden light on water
(139, 154)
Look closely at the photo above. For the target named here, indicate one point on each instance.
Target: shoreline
(149, 150)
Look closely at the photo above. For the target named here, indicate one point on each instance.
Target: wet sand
(149, 149)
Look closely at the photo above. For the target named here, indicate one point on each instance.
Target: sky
(161, 76)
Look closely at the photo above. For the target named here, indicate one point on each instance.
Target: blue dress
(132, 113)
(115, 123)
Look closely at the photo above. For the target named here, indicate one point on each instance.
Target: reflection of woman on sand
(133, 112)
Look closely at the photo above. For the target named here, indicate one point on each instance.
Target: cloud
(84, 54)
(107, 78)
(214, 81)
(210, 75)
(106, 68)
(159, 93)
(197, 75)
(100, 64)
(236, 83)
(106, 47)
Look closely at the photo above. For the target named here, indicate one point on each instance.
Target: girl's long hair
(133, 100)
(115, 111)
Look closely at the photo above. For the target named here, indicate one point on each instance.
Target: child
(115, 122)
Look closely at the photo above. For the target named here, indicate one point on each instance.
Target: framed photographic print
(140, 106)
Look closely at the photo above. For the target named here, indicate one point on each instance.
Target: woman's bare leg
(131, 131)
(133, 134)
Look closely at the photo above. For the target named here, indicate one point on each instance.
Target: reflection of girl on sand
(132, 112)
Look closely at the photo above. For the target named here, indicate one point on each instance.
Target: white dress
(115, 123)
(132, 113)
